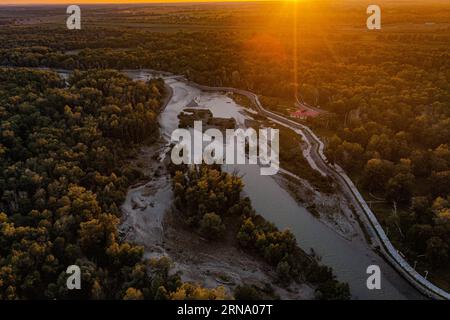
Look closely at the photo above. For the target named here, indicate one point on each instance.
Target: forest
(386, 93)
(64, 175)
(212, 205)
(65, 170)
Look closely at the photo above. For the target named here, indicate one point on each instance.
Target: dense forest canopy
(65, 166)
(213, 205)
(63, 177)
(387, 94)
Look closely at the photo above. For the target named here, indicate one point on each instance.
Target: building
(304, 114)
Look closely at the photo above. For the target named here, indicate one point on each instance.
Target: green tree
(211, 226)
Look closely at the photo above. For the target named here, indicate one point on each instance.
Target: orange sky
(105, 1)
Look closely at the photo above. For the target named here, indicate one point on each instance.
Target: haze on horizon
(35, 2)
(13, 2)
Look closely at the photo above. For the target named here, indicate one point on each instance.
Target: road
(306, 106)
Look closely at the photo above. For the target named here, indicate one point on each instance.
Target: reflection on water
(349, 259)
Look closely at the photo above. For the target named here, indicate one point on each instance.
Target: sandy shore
(150, 220)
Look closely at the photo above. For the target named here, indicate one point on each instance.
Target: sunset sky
(2, 2)
(106, 1)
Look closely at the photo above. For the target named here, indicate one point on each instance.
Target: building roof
(302, 113)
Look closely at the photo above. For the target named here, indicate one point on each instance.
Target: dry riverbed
(331, 209)
(150, 220)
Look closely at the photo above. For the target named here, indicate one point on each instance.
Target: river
(348, 258)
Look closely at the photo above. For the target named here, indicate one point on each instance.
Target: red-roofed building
(303, 114)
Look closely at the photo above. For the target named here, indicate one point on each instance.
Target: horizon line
(143, 2)
(111, 2)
